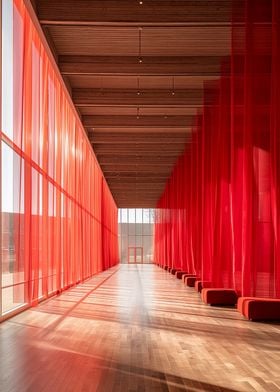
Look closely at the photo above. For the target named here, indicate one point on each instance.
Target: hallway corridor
(136, 328)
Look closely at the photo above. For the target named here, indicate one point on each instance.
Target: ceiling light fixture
(138, 88)
(140, 60)
(173, 86)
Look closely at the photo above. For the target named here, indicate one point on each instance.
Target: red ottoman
(219, 296)
(185, 276)
(190, 281)
(179, 274)
(202, 284)
(255, 308)
(174, 270)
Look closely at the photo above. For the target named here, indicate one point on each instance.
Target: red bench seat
(217, 296)
(179, 274)
(190, 281)
(185, 276)
(254, 308)
(174, 270)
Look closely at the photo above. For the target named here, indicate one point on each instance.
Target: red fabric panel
(219, 214)
(65, 221)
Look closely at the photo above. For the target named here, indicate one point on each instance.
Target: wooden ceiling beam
(131, 159)
(136, 170)
(137, 121)
(137, 186)
(139, 150)
(139, 204)
(127, 12)
(121, 181)
(123, 138)
(146, 154)
(117, 97)
(145, 130)
(130, 175)
(130, 66)
(138, 165)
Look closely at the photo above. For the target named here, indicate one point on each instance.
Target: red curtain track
(64, 219)
(219, 214)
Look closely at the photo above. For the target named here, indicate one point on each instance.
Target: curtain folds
(219, 214)
(59, 219)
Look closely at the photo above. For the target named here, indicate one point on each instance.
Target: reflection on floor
(135, 328)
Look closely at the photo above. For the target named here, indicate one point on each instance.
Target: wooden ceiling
(135, 71)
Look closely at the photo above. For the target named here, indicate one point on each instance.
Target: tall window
(136, 235)
(58, 217)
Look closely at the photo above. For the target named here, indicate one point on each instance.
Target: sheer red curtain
(63, 225)
(226, 185)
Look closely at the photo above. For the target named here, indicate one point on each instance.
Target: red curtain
(61, 225)
(219, 214)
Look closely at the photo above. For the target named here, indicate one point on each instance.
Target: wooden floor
(136, 328)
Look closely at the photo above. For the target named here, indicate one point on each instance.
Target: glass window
(152, 216)
(131, 215)
(136, 230)
(7, 68)
(12, 227)
(146, 215)
(13, 297)
(124, 215)
(138, 215)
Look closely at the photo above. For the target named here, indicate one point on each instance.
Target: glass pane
(146, 215)
(147, 229)
(12, 217)
(12, 297)
(7, 69)
(139, 252)
(138, 240)
(131, 240)
(124, 249)
(152, 216)
(131, 215)
(138, 215)
(147, 248)
(124, 228)
(120, 249)
(138, 228)
(131, 228)
(124, 215)
(131, 255)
